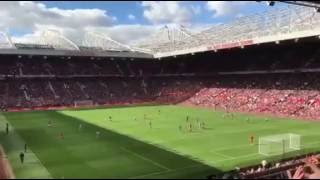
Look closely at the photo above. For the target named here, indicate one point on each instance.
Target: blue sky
(121, 9)
(124, 21)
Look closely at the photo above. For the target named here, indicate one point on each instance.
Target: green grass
(129, 148)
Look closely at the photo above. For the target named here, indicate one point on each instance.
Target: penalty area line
(234, 158)
(220, 154)
(146, 159)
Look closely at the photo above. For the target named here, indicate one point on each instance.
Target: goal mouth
(279, 144)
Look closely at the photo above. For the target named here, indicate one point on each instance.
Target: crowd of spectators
(283, 57)
(38, 81)
(300, 167)
(41, 81)
(101, 91)
(290, 95)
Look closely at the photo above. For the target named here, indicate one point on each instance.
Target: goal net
(83, 103)
(279, 144)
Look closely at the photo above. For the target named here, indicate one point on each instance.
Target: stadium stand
(276, 73)
(284, 169)
(293, 95)
(283, 82)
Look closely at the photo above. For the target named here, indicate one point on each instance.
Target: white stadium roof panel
(271, 26)
(5, 41)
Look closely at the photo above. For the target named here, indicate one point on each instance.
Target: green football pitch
(141, 142)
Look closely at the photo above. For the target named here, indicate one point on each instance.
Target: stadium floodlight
(279, 144)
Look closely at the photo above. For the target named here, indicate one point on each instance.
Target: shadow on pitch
(178, 166)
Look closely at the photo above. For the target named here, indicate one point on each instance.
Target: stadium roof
(272, 26)
(315, 4)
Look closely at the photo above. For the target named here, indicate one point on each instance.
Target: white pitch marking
(146, 159)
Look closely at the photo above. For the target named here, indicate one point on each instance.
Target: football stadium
(238, 100)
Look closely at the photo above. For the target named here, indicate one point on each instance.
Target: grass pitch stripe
(235, 147)
(171, 152)
(246, 156)
(144, 158)
(223, 155)
(311, 144)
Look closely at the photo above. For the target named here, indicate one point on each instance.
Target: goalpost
(83, 103)
(279, 144)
